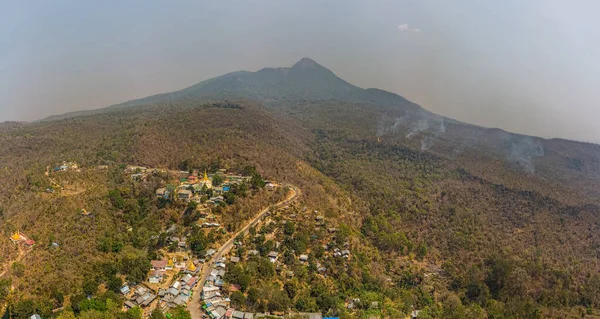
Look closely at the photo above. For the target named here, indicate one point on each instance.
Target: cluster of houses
(170, 281)
(176, 294)
(344, 253)
(327, 243)
(140, 296)
(191, 187)
(140, 173)
(215, 304)
(179, 292)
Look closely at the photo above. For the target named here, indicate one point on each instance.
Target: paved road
(194, 305)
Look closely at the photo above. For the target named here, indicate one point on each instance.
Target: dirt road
(194, 305)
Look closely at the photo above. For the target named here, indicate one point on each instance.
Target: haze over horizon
(527, 68)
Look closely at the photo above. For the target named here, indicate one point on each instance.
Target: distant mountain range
(305, 81)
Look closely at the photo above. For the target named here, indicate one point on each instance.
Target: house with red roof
(159, 264)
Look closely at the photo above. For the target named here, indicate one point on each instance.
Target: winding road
(194, 305)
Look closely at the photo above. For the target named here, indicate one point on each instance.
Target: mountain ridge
(306, 80)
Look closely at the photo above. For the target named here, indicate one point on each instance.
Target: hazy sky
(526, 66)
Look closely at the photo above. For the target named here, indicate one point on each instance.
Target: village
(182, 278)
(177, 280)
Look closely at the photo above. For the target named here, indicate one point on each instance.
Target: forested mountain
(311, 92)
(453, 219)
(304, 81)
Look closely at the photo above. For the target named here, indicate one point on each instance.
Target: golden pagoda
(16, 236)
(170, 263)
(192, 267)
(206, 181)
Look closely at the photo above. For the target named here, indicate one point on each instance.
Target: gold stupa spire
(16, 236)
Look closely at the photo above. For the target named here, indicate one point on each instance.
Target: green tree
(114, 283)
(421, 251)
(237, 299)
(252, 298)
(23, 309)
(198, 241)
(318, 252)
(76, 301)
(229, 198)
(305, 303)
(104, 245)
(288, 257)
(289, 228)
(93, 304)
(136, 267)
(57, 296)
(18, 269)
(453, 308)
(180, 313)
(90, 286)
(114, 195)
(94, 314)
(135, 313)
(498, 275)
(192, 206)
(66, 315)
(265, 268)
(278, 302)
(477, 291)
(157, 314)
(217, 180)
(291, 289)
(257, 181)
(5, 285)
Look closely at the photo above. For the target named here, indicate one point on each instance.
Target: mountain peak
(306, 80)
(306, 63)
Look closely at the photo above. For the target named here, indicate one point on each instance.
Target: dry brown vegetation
(495, 238)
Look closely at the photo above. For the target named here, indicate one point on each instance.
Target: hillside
(456, 220)
(311, 93)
